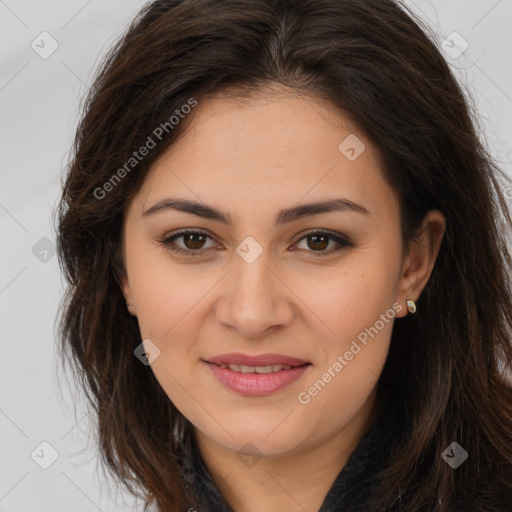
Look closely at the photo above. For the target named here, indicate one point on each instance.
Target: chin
(262, 440)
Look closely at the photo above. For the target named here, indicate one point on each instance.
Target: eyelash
(168, 242)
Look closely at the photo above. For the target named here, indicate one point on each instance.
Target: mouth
(256, 375)
(271, 368)
(259, 361)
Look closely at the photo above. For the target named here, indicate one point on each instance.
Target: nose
(254, 299)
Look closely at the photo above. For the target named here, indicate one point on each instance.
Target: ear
(420, 259)
(127, 292)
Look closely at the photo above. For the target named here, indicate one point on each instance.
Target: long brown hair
(444, 375)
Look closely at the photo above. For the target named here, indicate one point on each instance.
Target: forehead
(268, 148)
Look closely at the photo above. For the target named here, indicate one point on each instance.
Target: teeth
(255, 369)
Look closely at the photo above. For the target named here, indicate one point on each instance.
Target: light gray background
(39, 101)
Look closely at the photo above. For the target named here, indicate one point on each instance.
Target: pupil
(316, 237)
(188, 237)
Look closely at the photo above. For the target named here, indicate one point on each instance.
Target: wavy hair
(446, 376)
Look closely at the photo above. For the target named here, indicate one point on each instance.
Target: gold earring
(411, 306)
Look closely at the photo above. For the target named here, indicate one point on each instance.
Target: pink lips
(256, 384)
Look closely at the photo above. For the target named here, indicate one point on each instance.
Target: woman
(290, 287)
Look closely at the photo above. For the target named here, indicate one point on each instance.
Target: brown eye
(193, 242)
(319, 241)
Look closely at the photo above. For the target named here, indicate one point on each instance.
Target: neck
(293, 481)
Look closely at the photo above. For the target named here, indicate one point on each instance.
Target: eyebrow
(283, 217)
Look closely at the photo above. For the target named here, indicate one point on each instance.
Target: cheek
(165, 294)
(357, 308)
(354, 297)
(354, 360)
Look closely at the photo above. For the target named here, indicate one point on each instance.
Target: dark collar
(355, 483)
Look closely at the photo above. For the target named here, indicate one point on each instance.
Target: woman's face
(272, 275)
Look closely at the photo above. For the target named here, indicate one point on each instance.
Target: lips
(259, 360)
(259, 375)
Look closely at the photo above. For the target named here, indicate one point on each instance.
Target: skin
(251, 159)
